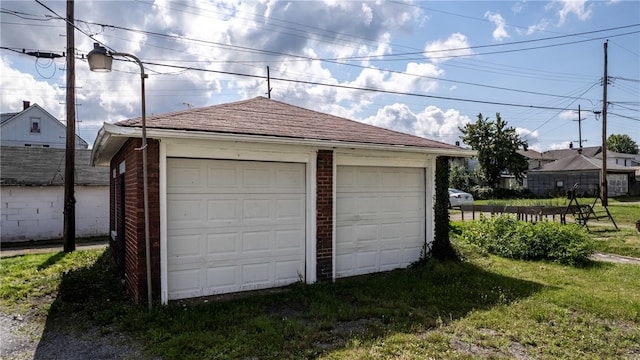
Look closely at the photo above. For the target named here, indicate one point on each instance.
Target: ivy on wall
(442, 248)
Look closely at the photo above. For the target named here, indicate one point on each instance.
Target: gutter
(109, 132)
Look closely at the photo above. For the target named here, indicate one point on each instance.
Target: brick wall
(133, 255)
(324, 220)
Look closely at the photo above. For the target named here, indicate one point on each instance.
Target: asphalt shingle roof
(266, 117)
(580, 162)
(45, 167)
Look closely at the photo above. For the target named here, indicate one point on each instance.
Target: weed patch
(505, 236)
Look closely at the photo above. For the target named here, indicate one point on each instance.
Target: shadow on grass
(300, 321)
(52, 260)
(81, 321)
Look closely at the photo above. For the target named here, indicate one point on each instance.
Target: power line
(623, 116)
(356, 87)
(271, 53)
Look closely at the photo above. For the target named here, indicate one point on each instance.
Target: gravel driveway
(25, 337)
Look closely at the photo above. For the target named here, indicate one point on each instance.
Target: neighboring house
(34, 127)
(32, 194)
(560, 176)
(536, 159)
(622, 159)
(258, 194)
(590, 151)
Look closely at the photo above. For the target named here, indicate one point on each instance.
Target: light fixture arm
(100, 60)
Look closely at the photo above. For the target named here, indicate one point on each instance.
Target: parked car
(459, 198)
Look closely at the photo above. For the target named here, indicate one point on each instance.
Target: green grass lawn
(482, 307)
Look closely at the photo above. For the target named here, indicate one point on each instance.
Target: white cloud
(568, 115)
(518, 7)
(443, 50)
(432, 122)
(560, 146)
(578, 8)
(541, 25)
(500, 32)
(531, 137)
(18, 87)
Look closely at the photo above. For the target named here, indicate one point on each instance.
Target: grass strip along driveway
(484, 306)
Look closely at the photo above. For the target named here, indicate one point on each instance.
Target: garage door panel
(288, 271)
(380, 218)
(391, 231)
(222, 244)
(245, 222)
(255, 210)
(256, 241)
(389, 259)
(368, 205)
(185, 245)
(289, 239)
(290, 209)
(185, 210)
(222, 210)
(223, 178)
(291, 181)
(182, 280)
(256, 274)
(185, 177)
(222, 276)
(366, 232)
(367, 262)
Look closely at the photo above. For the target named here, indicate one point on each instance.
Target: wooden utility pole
(268, 84)
(603, 178)
(69, 226)
(579, 128)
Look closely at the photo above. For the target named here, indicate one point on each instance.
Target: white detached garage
(258, 194)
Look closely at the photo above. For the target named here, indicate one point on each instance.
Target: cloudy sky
(420, 67)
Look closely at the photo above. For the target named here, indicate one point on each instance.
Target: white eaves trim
(111, 137)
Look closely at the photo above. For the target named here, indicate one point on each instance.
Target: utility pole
(603, 175)
(579, 128)
(268, 84)
(69, 226)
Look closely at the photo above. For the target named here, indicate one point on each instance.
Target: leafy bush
(506, 236)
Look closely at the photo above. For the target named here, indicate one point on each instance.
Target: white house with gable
(32, 163)
(34, 127)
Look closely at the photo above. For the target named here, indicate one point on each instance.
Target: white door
(380, 221)
(233, 226)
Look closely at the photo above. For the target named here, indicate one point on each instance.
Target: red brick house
(258, 194)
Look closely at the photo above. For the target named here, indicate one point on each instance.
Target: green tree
(497, 147)
(461, 178)
(622, 144)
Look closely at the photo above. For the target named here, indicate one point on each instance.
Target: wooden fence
(524, 213)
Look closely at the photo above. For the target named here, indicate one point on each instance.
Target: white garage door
(380, 215)
(233, 226)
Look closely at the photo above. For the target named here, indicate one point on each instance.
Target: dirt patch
(25, 336)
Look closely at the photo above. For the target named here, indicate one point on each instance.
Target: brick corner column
(324, 215)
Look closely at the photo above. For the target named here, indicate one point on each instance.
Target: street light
(100, 60)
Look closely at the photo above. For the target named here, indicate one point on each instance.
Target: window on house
(35, 125)
(559, 183)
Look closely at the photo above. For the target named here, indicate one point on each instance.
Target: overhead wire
(306, 58)
(358, 88)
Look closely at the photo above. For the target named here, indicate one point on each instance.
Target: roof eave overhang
(111, 138)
